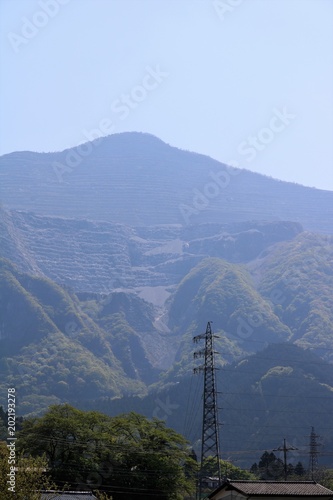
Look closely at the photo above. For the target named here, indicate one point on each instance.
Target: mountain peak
(137, 179)
(122, 142)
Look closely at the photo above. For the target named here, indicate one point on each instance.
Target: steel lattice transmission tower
(313, 461)
(210, 425)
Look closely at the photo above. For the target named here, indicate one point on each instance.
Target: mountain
(115, 254)
(127, 341)
(138, 180)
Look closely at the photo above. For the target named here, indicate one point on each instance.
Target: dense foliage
(271, 468)
(27, 481)
(297, 279)
(126, 456)
(51, 350)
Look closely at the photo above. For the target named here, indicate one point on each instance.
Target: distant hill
(120, 342)
(284, 295)
(297, 279)
(138, 180)
(280, 392)
(52, 351)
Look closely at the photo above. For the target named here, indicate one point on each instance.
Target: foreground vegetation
(127, 456)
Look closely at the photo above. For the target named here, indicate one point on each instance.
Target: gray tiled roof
(302, 488)
(67, 495)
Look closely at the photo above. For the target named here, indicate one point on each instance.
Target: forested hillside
(279, 392)
(104, 282)
(51, 350)
(59, 345)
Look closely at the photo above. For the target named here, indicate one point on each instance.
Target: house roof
(267, 488)
(67, 495)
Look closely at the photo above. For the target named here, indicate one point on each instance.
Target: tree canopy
(127, 456)
(271, 468)
(29, 476)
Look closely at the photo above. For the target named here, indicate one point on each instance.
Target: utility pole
(285, 450)
(313, 462)
(210, 424)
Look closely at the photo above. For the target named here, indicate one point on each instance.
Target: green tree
(270, 467)
(227, 469)
(326, 478)
(127, 456)
(156, 459)
(299, 469)
(233, 472)
(72, 441)
(28, 479)
(254, 469)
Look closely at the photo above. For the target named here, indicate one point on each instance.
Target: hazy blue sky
(246, 81)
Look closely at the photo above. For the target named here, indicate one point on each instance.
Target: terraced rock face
(138, 180)
(101, 257)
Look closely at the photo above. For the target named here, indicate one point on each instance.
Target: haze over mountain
(115, 254)
(139, 180)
